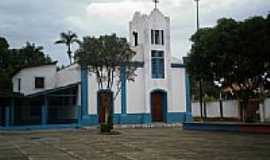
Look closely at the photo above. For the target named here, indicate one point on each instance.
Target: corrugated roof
(53, 90)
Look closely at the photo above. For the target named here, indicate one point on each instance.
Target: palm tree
(67, 39)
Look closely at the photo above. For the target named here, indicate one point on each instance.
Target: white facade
(52, 78)
(143, 24)
(136, 104)
(27, 79)
(133, 104)
(138, 93)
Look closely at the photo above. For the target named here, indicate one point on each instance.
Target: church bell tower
(149, 36)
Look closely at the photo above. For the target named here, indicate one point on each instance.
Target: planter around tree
(105, 110)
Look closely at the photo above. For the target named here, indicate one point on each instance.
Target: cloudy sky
(41, 21)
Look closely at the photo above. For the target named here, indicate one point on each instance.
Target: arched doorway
(158, 106)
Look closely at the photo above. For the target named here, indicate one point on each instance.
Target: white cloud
(117, 12)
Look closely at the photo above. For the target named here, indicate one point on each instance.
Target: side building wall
(27, 77)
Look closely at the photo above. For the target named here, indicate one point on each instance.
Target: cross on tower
(156, 2)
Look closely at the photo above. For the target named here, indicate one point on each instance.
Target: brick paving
(134, 144)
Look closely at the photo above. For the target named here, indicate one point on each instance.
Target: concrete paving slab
(134, 144)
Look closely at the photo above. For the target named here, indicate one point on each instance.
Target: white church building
(160, 92)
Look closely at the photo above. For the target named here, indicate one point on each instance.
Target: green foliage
(3, 43)
(12, 60)
(68, 39)
(236, 54)
(103, 56)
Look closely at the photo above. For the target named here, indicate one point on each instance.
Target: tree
(31, 54)
(198, 67)
(12, 60)
(3, 53)
(68, 39)
(4, 58)
(227, 53)
(105, 57)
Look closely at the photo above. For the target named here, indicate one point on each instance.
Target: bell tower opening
(135, 37)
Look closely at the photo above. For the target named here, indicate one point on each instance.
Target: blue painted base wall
(92, 120)
(176, 117)
(138, 118)
(89, 120)
(189, 117)
(212, 127)
(132, 118)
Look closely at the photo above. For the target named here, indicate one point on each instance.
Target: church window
(135, 35)
(152, 36)
(157, 64)
(157, 37)
(162, 37)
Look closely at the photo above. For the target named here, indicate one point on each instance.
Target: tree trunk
(205, 110)
(220, 106)
(105, 110)
(69, 54)
(201, 98)
(243, 110)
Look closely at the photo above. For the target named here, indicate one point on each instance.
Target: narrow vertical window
(152, 36)
(156, 37)
(157, 64)
(135, 35)
(162, 37)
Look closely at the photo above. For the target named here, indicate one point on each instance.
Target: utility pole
(200, 81)
(198, 18)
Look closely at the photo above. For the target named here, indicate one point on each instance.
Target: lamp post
(219, 85)
(200, 80)
(198, 18)
(220, 104)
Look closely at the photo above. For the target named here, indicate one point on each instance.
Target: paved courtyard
(134, 144)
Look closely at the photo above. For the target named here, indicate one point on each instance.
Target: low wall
(231, 109)
(267, 109)
(229, 127)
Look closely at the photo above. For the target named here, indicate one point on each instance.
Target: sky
(41, 21)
